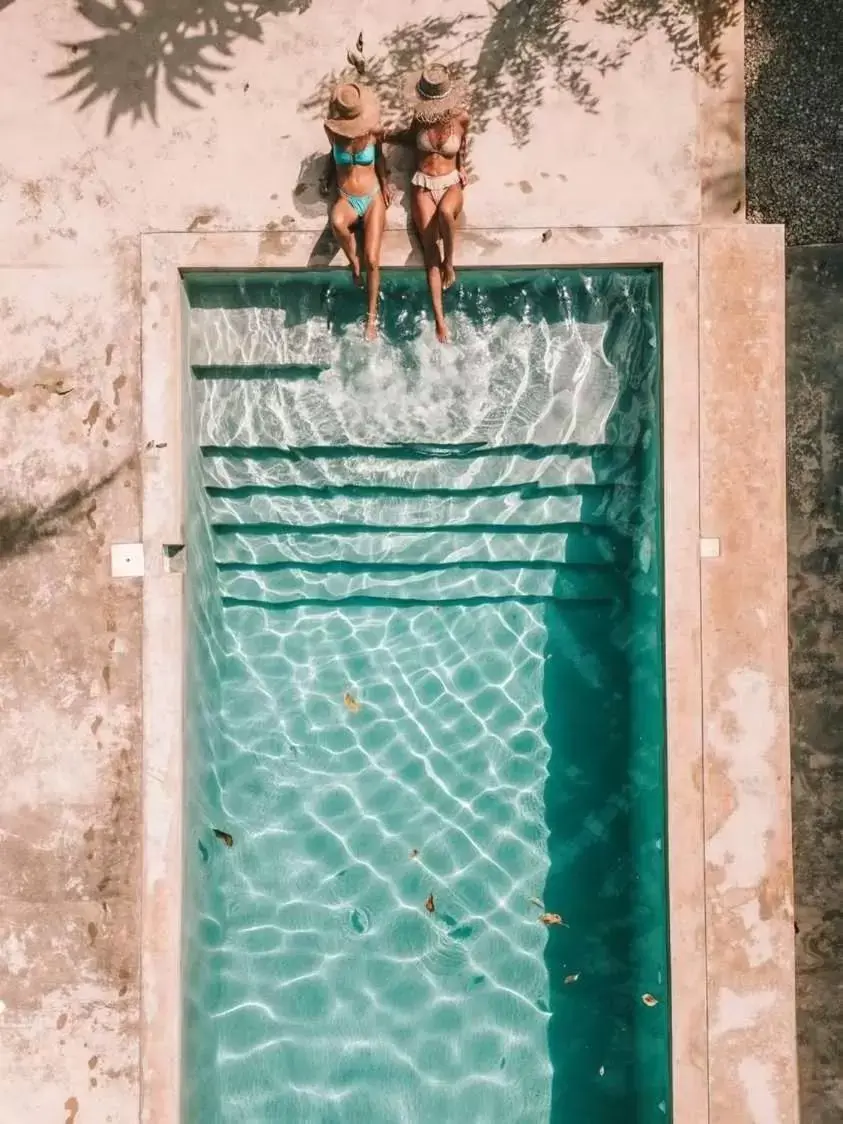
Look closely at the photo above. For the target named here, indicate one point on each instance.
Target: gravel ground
(794, 117)
(815, 568)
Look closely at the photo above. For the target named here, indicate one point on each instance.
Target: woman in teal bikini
(363, 192)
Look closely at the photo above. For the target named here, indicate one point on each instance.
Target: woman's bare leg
(450, 208)
(373, 223)
(427, 227)
(343, 218)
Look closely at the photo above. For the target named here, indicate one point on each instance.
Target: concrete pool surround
(98, 167)
(726, 690)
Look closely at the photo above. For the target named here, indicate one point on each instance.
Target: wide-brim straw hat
(353, 111)
(432, 93)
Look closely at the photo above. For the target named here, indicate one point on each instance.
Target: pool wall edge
(702, 969)
(162, 336)
(750, 916)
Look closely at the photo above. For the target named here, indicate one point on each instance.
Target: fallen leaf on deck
(351, 702)
(224, 836)
(649, 1000)
(430, 904)
(55, 386)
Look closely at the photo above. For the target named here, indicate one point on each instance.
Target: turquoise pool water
(426, 701)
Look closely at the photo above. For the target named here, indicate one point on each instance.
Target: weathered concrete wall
(815, 547)
(141, 115)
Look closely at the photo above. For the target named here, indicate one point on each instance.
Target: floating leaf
(414, 854)
(351, 702)
(572, 978)
(430, 904)
(224, 837)
(552, 919)
(649, 1000)
(537, 902)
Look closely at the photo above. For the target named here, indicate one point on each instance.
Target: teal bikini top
(346, 156)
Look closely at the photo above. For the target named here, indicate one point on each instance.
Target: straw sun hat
(432, 93)
(353, 110)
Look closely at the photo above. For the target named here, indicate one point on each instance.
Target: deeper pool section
(425, 703)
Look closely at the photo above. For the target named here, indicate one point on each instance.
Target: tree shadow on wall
(511, 57)
(181, 46)
(526, 48)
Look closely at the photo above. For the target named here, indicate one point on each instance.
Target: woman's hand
(463, 178)
(388, 194)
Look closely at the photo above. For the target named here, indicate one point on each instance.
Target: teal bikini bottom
(360, 203)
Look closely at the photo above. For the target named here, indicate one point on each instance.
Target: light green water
(425, 669)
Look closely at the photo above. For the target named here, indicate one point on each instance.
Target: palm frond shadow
(143, 46)
(23, 526)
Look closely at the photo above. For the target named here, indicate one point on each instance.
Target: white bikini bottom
(436, 185)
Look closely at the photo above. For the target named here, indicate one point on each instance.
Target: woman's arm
(328, 178)
(381, 170)
(461, 151)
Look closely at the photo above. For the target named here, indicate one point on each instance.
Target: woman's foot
(371, 332)
(448, 275)
(442, 332)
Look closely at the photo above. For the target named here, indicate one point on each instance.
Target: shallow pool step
(459, 468)
(323, 412)
(293, 585)
(494, 399)
(263, 371)
(268, 511)
(363, 548)
(257, 336)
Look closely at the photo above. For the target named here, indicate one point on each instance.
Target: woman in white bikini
(439, 131)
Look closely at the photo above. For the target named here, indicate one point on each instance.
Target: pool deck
(638, 141)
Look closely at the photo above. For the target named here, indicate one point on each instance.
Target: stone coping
(729, 853)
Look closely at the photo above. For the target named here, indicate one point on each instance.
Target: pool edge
(750, 915)
(697, 972)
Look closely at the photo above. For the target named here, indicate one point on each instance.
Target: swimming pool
(425, 669)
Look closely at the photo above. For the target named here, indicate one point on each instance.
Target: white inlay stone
(709, 548)
(127, 560)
